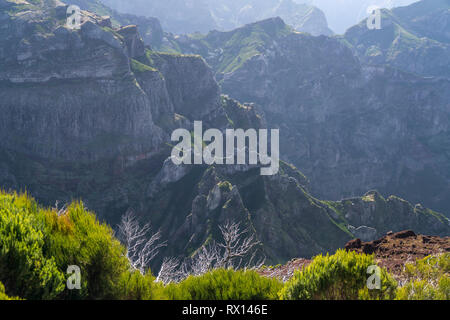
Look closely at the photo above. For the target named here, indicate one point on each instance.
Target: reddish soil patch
(284, 272)
(395, 249)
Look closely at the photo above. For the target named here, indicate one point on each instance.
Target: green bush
(77, 238)
(342, 276)
(24, 268)
(37, 245)
(3, 295)
(427, 279)
(135, 286)
(225, 284)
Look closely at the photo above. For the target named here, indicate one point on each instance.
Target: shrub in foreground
(225, 284)
(342, 276)
(37, 245)
(427, 279)
(25, 269)
(135, 286)
(76, 237)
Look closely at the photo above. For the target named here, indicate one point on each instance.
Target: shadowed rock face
(88, 114)
(187, 95)
(71, 94)
(349, 126)
(353, 127)
(81, 94)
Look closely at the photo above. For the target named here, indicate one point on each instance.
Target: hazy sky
(342, 14)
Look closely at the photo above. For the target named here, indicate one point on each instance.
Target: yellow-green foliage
(25, 269)
(77, 238)
(224, 284)
(427, 279)
(342, 276)
(135, 286)
(3, 295)
(37, 245)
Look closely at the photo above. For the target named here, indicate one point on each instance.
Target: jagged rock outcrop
(348, 126)
(82, 95)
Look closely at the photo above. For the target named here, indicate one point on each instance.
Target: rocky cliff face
(71, 95)
(192, 99)
(88, 114)
(350, 127)
(149, 27)
(82, 95)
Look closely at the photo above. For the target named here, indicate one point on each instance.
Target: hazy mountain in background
(348, 125)
(181, 16)
(342, 14)
(415, 38)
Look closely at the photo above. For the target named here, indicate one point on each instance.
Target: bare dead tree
(60, 211)
(236, 247)
(170, 271)
(207, 258)
(255, 262)
(142, 246)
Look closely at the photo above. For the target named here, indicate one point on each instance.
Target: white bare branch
(235, 249)
(169, 271)
(206, 259)
(142, 246)
(235, 246)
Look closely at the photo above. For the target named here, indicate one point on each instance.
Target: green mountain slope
(414, 38)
